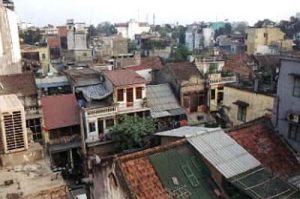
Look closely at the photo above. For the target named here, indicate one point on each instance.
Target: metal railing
(100, 111)
(222, 80)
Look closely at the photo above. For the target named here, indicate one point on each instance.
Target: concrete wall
(10, 61)
(286, 102)
(259, 104)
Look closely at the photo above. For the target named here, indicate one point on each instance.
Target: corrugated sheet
(186, 131)
(94, 92)
(161, 99)
(224, 153)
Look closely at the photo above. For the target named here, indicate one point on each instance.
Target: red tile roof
(60, 111)
(153, 63)
(53, 41)
(239, 64)
(124, 77)
(23, 83)
(259, 138)
(183, 71)
(140, 175)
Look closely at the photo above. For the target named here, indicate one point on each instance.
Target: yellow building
(37, 54)
(256, 37)
(243, 104)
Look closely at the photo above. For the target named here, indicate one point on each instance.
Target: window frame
(296, 87)
(139, 93)
(94, 126)
(296, 133)
(119, 95)
(242, 113)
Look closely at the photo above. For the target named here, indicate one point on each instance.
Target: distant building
(35, 58)
(130, 29)
(198, 37)
(266, 40)
(286, 116)
(298, 15)
(10, 55)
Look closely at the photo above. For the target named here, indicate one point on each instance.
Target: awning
(57, 148)
(241, 103)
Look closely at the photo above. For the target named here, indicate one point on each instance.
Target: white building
(199, 37)
(10, 53)
(130, 29)
(77, 35)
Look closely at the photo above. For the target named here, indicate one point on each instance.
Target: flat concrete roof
(32, 179)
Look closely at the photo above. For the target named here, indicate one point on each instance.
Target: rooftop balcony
(215, 79)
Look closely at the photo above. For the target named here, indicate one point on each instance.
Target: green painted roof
(182, 165)
(259, 183)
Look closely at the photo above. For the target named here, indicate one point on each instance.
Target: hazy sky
(42, 12)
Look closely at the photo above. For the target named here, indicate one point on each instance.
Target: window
(35, 126)
(242, 112)
(43, 56)
(138, 92)
(213, 94)
(110, 123)
(265, 35)
(120, 95)
(294, 132)
(246, 36)
(296, 90)
(92, 127)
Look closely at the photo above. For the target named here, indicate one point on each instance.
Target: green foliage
(291, 27)
(263, 23)
(131, 131)
(180, 53)
(106, 28)
(226, 30)
(31, 36)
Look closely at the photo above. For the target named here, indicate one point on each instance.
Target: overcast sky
(43, 12)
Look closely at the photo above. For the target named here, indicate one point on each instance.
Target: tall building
(10, 54)
(286, 116)
(298, 15)
(258, 40)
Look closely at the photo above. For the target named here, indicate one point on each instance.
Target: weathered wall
(10, 56)
(54, 193)
(259, 104)
(285, 99)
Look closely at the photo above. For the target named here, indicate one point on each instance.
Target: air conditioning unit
(13, 134)
(292, 117)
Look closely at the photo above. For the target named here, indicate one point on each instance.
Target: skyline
(45, 12)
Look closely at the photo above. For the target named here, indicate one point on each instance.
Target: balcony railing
(222, 80)
(102, 111)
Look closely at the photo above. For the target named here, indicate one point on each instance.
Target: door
(129, 97)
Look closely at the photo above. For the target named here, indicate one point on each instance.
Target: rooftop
(162, 101)
(153, 63)
(65, 113)
(183, 71)
(23, 83)
(259, 138)
(29, 180)
(124, 77)
(161, 172)
(83, 76)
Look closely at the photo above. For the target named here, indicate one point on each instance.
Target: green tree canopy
(131, 131)
(31, 36)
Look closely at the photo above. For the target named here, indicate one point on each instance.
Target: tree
(31, 36)
(131, 131)
(106, 28)
(180, 53)
(264, 23)
(226, 30)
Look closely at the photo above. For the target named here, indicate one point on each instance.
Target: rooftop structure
(124, 77)
(162, 101)
(33, 181)
(164, 172)
(60, 111)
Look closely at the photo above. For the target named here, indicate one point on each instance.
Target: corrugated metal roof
(9, 103)
(186, 131)
(94, 92)
(224, 153)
